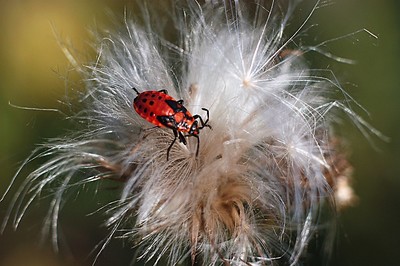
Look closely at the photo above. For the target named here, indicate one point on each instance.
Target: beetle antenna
(208, 117)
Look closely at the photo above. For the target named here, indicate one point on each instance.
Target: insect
(162, 110)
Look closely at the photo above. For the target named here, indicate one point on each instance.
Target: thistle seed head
(263, 171)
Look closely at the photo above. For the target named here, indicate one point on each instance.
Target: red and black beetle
(162, 110)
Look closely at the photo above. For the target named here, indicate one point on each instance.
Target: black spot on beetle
(159, 97)
(144, 100)
(145, 110)
(151, 114)
(151, 102)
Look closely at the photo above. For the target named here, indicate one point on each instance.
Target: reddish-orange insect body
(162, 110)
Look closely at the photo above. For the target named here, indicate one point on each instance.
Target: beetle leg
(176, 106)
(172, 143)
(203, 124)
(198, 143)
(182, 138)
(164, 91)
(135, 90)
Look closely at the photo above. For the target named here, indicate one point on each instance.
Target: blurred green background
(33, 71)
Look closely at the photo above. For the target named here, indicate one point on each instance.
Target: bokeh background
(35, 73)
